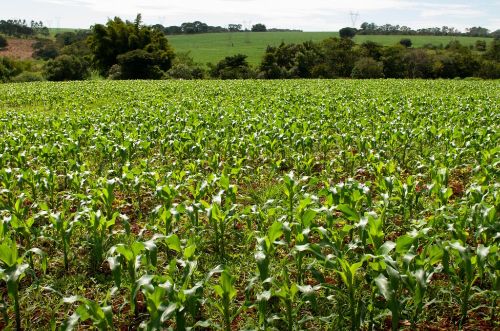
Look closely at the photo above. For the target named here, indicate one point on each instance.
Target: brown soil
(20, 49)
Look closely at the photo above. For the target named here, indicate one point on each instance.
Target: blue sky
(311, 15)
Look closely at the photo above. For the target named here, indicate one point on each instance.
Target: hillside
(19, 49)
(214, 46)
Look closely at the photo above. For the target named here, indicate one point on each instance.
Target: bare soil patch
(19, 49)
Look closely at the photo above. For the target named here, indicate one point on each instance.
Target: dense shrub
(489, 69)
(139, 64)
(233, 67)
(45, 49)
(66, 67)
(406, 42)
(367, 67)
(28, 76)
(9, 68)
(347, 32)
(3, 42)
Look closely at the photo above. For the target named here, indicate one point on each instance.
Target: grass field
(250, 205)
(213, 47)
(54, 31)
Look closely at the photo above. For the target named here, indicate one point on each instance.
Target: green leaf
(404, 243)
(349, 213)
(173, 243)
(383, 286)
(275, 231)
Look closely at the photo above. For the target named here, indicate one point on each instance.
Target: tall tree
(117, 37)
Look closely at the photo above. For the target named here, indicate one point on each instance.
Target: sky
(308, 15)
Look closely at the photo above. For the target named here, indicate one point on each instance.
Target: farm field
(250, 205)
(213, 47)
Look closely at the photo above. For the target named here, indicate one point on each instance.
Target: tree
(117, 37)
(259, 27)
(406, 42)
(234, 27)
(480, 45)
(232, 67)
(66, 67)
(493, 51)
(371, 49)
(367, 67)
(339, 57)
(139, 64)
(393, 60)
(419, 64)
(45, 49)
(3, 42)
(478, 31)
(489, 70)
(347, 32)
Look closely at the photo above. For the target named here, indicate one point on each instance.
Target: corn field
(250, 205)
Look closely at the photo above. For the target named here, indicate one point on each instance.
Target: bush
(45, 49)
(28, 76)
(115, 72)
(489, 70)
(180, 71)
(3, 42)
(406, 42)
(347, 32)
(368, 68)
(185, 68)
(233, 67)
(66, 67)
(140, 64)
(9, 68)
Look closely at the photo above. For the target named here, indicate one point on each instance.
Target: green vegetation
(55, 31)
(262, 205)
(212, 47)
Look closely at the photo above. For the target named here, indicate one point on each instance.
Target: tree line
(131, 50)
(20, 28)
(389, 29)
(198, 27)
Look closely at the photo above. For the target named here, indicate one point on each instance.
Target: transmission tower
(354, 18)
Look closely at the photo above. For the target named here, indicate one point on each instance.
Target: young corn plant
(348, 272)
(176, 296)
(130, 258)
(100, 314)
(266, 247)
(226, 291)
(99, 227)
(64, 231)
(287, 293)
(388, 284)
(220, 213)
(13, 269)
(463, 259)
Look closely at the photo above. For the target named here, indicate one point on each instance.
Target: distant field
(212, 47)
(215, 46)
(54, 31)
